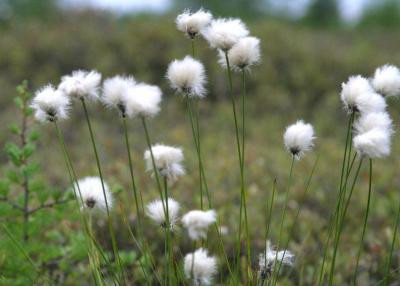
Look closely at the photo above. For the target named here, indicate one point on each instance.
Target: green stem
(91, 247)
(338, 201)
(160, 191)
(134, 188)
(389, 258)
(230, 86)
(294, 223)
(167, 231)
(365, 222)
(242, 169)
(195, 134)
(340, 226)
(274, 273)
(110, 226)
(193, 50)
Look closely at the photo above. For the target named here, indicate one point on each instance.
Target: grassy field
(299, 78)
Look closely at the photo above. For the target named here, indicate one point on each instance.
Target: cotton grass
(299, 138)
(115, 91)
(200, 267)
(50, 104)
(193, 23)
(91, 190)
(386, 80)
(244, 54)
(81, 84)
(167, 160)
(156, 210)
(187, 77)
(197, 222)
(224, 33)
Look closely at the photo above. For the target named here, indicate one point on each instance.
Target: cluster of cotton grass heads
(369, 132)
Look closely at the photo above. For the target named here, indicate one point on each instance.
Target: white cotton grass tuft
(91, 190)
(143, 100)
(50, 104)
(373, 120)
(386, 80)
(299, 138)
(197, 222)
(200, 267)
(167, 160)
(358, 95)
(187, 76)
(81, 84)
(373, 144)
(193, 23)
(156, 210)
(244, 54)
(115, 90)
(267, 259)
(224, 33)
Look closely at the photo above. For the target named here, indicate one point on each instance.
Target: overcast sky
(350, 9)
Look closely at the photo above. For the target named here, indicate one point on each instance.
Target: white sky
(350, 9)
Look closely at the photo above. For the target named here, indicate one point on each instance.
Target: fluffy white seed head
(50, 104)
(268, 258)
(167, 160)
(373, 120)
(197, 222)
(199, 267)
(91, 190)
(192, 23)
(244, 54)
(358, 96)
(156, 210)
(81, 84)
(224, 33)
(386, 80)
(187, 76)
(143, 100)
(115, 90)
(299, 138)
(373, 144)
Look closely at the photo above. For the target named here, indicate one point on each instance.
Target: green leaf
(33, 135)
(30, 169)
(57, 194)
(19, 102)
(4, 187)
(14, 153)
(43, 195)
(28, 111)
(15, 129)
(28, 150)
(14, 177)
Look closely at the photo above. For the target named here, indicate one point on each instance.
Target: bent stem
(365, 222)
(389, 258)
(340, 226)
(110, 226)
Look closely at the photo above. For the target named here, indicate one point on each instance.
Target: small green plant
(23, 197)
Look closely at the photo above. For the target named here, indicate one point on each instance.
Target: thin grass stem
(365, 223)
(110, 225)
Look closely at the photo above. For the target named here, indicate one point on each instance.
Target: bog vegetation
(101, 199)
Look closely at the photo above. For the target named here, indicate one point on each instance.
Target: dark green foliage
(25, 201)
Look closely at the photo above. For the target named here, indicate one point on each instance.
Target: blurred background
(309, 47)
